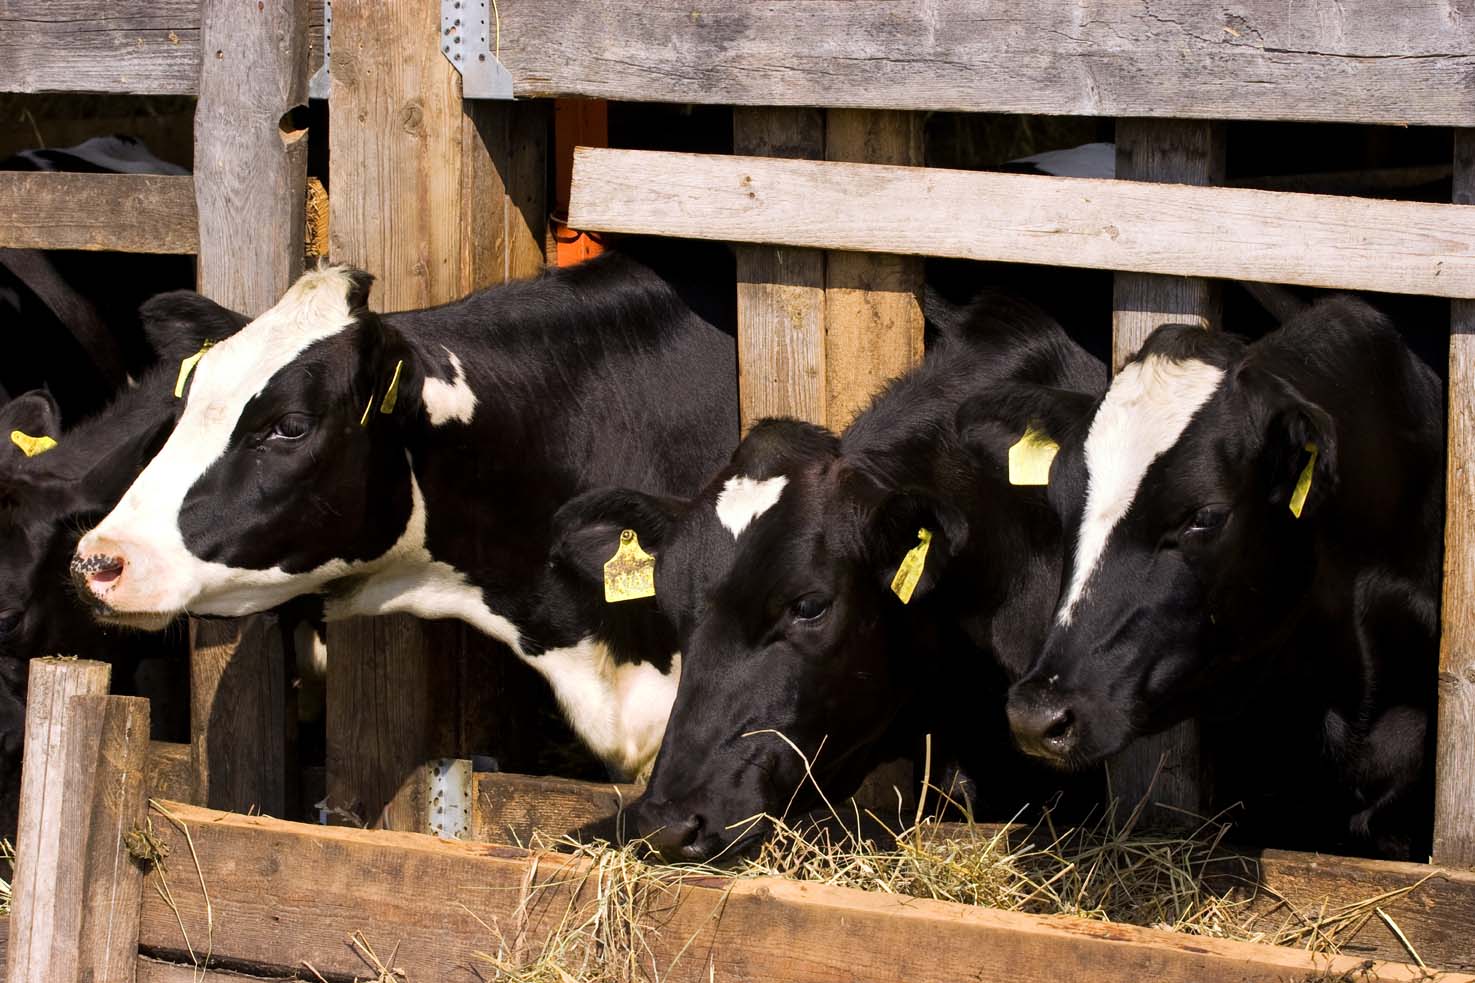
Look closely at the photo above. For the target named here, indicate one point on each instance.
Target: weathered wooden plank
(170, 772)
(1231, 233)
(1360, 60)
(1454, 816)
(1166, 765)
(131, 213)
(238, 723)
(873, 303)
(780, 292)
(148, 47)
(510, 808)
(282, 893)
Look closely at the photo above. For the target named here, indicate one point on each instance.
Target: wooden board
(282, 893)
(169, 772)
(1454, 819)
(149, 47)
(131, 213)
(1233, 233)
(510, 808)
(1358, 60)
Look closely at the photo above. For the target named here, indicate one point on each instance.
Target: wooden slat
(148, 47)
(1232, 233)
(1359, 60)
(170, 772)
(510, 808)
(1454, 819)
(131, 213)
(780, 292)
(282, 893)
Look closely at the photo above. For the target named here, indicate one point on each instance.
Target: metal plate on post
(468, 39)
(449, 795)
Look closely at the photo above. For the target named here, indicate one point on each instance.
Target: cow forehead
(744, 499)
(1149, 405)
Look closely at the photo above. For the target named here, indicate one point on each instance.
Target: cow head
(779, 575)
(1186, 556)
(288, 467)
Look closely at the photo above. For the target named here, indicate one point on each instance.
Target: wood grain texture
(47, 890)
(1233, 233)
(873, 302)
(1454, 803)
(130, 213)
(1166, 767)
(170, 772)
(282, 893)
(148, 47)
(510, 808)
(1358, 60)
(780, 292)
(238, 725)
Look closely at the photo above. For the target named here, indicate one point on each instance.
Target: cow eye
(293, 426)
(9, 621)
(809, 609)
(1206, 521)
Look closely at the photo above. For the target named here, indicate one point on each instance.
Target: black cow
(412, 463)
(781, 581)
(1254, 533)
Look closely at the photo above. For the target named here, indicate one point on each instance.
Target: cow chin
(150, 621)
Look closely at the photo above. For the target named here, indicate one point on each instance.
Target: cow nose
(1044, 727)
(673, 836)
(97, 566)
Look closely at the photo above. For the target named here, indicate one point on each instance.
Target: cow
(412, 463)
(1254, 537)
(784, 583)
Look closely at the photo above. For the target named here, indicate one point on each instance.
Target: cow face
(1185, 558)
(288, 467)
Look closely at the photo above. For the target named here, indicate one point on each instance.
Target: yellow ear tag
(1030, 458)
(31, 446)
(392, 395)
(630, 573)
(187, 366)
(910, 571)
(1303, 484)
(364, 420)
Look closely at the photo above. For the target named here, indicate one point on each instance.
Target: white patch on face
(743, 499)
(1146, 410)
(447, 401)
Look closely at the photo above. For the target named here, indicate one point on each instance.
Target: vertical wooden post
(435, 198)
(1454, 803)
(780, 291)
(873, 302)
(43, 837)
(250, 186)
(1181, 152)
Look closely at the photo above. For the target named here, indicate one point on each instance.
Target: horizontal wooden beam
(284, 893)
(131, 213)
(147, 47)
(1365, 61)
(1231, 233)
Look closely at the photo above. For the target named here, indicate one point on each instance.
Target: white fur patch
(447, 401)
(743, 499)
(1146, 410)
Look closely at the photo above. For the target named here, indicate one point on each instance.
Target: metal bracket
(317, 86)
(450, 797)
(466, 31)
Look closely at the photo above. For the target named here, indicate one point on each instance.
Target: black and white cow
(778, 581)
(1254, 532)
(412, 463)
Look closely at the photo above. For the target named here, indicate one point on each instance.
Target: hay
(7, 856)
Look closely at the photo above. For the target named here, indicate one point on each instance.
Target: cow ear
(1298, 458)
(30, 425)
(586, 530)
(179, 323)
(390, 383)
(990, 424)
(906, 538)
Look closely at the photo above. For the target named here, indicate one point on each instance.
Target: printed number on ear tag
(31, 446)
(1030, 458)
(910, 571)
(630, 573)
(1303, 483)
(187, 366)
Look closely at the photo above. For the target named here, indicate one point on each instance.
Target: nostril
(1060, 728)
(99, 568)
(671, 838)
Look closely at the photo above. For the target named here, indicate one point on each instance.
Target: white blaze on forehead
(1145, 411)
(447, 401)
(744, 499)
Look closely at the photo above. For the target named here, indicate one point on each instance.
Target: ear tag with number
(31, 446)
(1303, 484)
(630, 573)
(1030, 458)
(187, 366)
(391, 396)
(910, 571)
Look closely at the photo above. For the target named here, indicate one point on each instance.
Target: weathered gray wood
(1454, 818)
(780, 292)
(130, 213)
(149, 47)
(238, 703)
(1233, 233)
(1357, 60)
(46, 890)
(170, 772)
